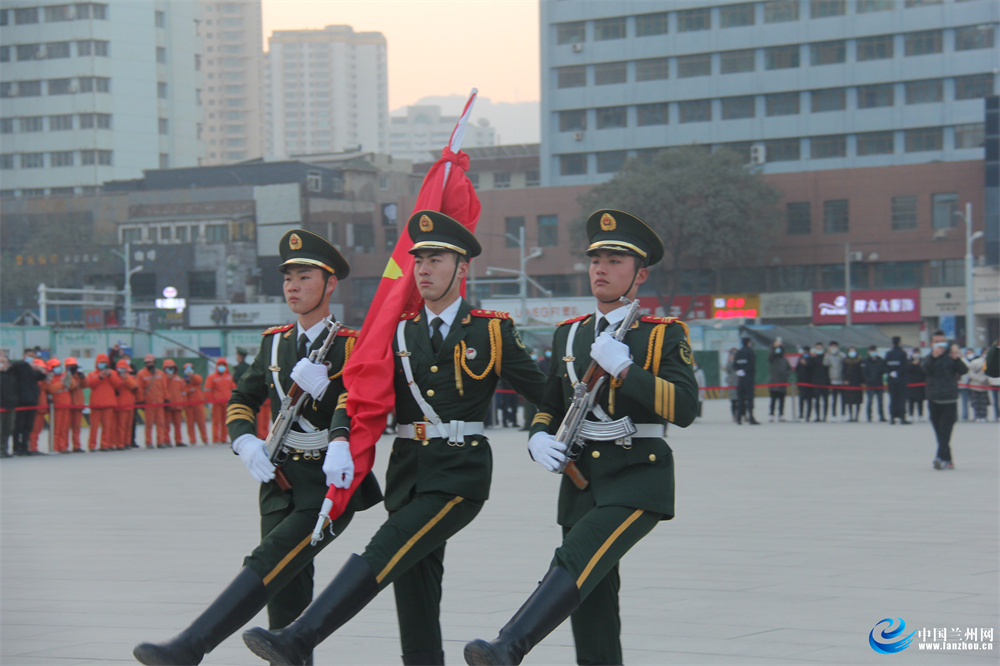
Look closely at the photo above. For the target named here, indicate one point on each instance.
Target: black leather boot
(555, 598)
(427, 658)
(236, 606)
(350, 591)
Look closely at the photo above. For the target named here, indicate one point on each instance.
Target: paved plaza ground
(791, 542)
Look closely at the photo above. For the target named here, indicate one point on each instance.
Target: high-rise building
(795, 85)
(327, 91)
(422, 131)
(233, 66)
(96, 91)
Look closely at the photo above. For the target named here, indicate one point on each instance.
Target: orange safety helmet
(40, 363)
(169, 363)
(71, 360)
(122, 365)
(149, 357)
(54, 362)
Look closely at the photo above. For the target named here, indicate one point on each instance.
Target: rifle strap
(303, 423)
(571, 371)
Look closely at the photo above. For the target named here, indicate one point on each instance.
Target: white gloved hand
(610, 354)
(546, 450)
(251, 452)
(312, 377)
(338, 465)
(741, 373)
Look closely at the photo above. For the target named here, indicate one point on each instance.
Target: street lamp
(970, 312)
(522, 276)
(129, 272)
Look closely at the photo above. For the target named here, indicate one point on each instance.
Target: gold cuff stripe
(663, 402)
(240, 417)
(543, 418)
(246, 413)
(415, 538)
(290, 556)
(239, 408)
(607, 544)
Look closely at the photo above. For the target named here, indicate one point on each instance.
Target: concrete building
(96, 91)
(233, 94)
(795, 85)
(327, 91)
(422, 131)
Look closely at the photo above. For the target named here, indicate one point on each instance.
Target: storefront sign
(868, 306)
(259, 315)
(786, 305)
(735, 306)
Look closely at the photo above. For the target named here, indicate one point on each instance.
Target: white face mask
(220, 368)
(58, 370)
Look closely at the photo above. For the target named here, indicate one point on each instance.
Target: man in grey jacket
(943, 368)
(834, 361)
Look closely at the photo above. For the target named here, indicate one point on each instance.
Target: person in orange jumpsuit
(153, 395)
(195, 411)
(219, 385)
(175, 396)
(76, 401)
(61, 385)
(43, 404)
(103, 383)
(125, 411)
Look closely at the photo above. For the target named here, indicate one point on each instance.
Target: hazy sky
(436, 47)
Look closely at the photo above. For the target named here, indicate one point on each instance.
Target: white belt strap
(404, 356)
(454, 431)
(597, 410)
(307, 441)
(275, 339)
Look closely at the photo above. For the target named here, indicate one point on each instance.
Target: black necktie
(303, 345)
(436, 337)
(602, 324)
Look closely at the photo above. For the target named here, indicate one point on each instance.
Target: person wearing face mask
(194, 408)
(821, 381)
(174, 411)
(803, 384)
(103, 383)
(60, 386)
(834, 362)
(942, 368)
(852, 397)
(779, 370)
(873, 373)
(915, 379)
(895, 363)
(219, 386)
(42, 374)
(77, 402)
(153, 395)
(125, 412)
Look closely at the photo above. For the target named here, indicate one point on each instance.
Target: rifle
(291, 406)
(586, 392)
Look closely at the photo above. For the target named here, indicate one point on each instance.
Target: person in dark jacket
(820, 380)
(851, 394)
(895, 363)
(26, 377)
(872, 376)
(745, 362)
(8, 403)
(779, 368)
(915, 387)
(942, 369)
(803, 381)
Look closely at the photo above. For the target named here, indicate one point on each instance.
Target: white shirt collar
(447, 316)
(614, 317)
(312, 333)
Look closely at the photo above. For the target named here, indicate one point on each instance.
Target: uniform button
(475, 442)
(295, 457)
(434, 368)
(595, 454)
(426, 442)
(652, 457)
(430, 392)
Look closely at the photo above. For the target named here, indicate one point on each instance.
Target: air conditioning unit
(758, 153)
(577, 48)
(578, 136)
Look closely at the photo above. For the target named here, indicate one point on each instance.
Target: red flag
(369, 372)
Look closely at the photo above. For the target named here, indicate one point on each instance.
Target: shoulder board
(347, 332)
(492, 314)
(278, 329)
(658, 320)
(409, 315)
(573, 320)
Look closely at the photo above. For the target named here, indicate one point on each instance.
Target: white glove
(741, 373)
(338, 465)
(311, 377)
(251, 452)
(546, 450)
(893, 374)
(610, 354)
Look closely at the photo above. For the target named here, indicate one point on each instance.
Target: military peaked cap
(304, 248)
(431, 230)
(618, 231)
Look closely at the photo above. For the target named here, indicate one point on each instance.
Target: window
(798, 216)
(85, 47)
(164, 160)
(835, 219)
(652, 114)
(612, 117)
(781, 104)
(695, 111)
(62, 158)
(871, 97)
(30, 124)
(501, 180)
(823, 147)
(898, 274)
(783, 150)
(875, 143)
(532, 178)
(922, 43)
(60, 86)
(29, 52)
(612, 28)
(161, 90)
(512, 230)
(571, 33)
(972, 37)
(922, 3)
(923, 139)
(100, 12)
(970, 136)
(548, 230)
(832, 99)
(101, 48)
(947, 272)
(32, 160)
(609, 73)
(88, 157)
(161, 55)
(904, 212)
(738, 107)
(57, 50)
(201, 284)
(131, 235)
(879, 47)
(572, 121)
(58, 13)
(6, 125)
(866, 6)
(364, 238)
(825, 8)
(217, 233)
(944, 210)
(160, 19)
(611, 161)
(572, 165)
(652, 69)
(166, 234)
(781, 11)
(828, 53)
(27, 89)
(694, 65)
(733, 62)
(26, 15)
(164, 126)
(924, 92)
(692, 20)
(4, 53)
(735, 16)
(966, 87)
(651, 24)
(60, 123)
(571, 77)
(181, 234)
(6, 161)
(781, 57)
(792, 278)
(314, 181)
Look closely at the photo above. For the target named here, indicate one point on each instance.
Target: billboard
(868, 306)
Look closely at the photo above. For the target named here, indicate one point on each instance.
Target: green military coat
(660, 388)
(458, 382)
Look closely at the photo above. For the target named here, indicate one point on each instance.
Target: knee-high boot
(350, 591)
(555, 598)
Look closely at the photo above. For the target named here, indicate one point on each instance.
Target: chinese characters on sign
(868, 306)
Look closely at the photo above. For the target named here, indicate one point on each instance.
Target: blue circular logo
(888, 641)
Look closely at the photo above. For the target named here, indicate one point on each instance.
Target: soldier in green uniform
(631, 477)
(279, 572)
(449, 358)
(241, 364)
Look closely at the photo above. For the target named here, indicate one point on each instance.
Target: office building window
(61, 123)
(738, 107)
(828, 53)
(972, 37)
(652, 114)
(734, 62)
(781, 57)
(7, 161)
(512, 230)
(652, 69)
(831, 99)
(798, 215)
(695, 111)
(904, 212)
(898, 274)
(944, 210)
(26, 15)
(60, 86)
(947, 272)
(62, 158)
(923, 139)
(924, 92)
(611, 161)
(164, 160)
(823, 147)
(161, 90)
(573, 165)
(606, 29)
(30, 124)
(835, 218)
(612, 117)
(164, 125)
(501, 180)
(922, 43)
(217, 233)
(58, 13)
(548, 230)
(970, 136)
(532, 178)
(32, 160)
(571, 33)
(692, 20)
(868, 6)
(57, 50)
(735, 16)
(573, 121)
(160, 19)
(27, 89)
(647, 25)
(161, 55)
(871, 97)
(826, 8)
(6, 125)
(922, 3)
(26, 52)
(201, 284)
(879, 47)
(783, 150)
(571, 77)
(792, 278)
(781, 104)
(5, 53)
(694, 65)
(609, 73)
(974, 86)
(781, 11)
(875, 143)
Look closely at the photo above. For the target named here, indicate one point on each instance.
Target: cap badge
(608, 223)
(426, 224)
(294, 242)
